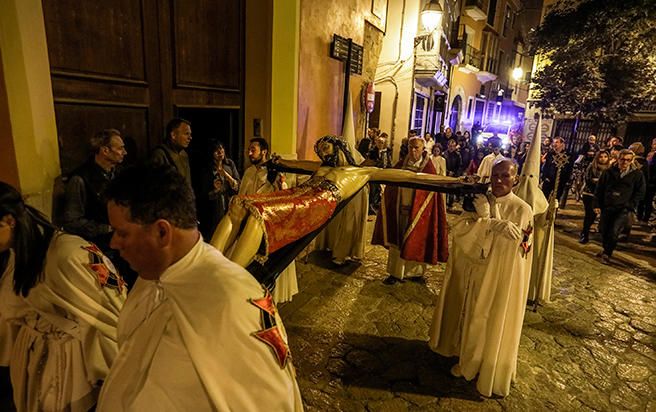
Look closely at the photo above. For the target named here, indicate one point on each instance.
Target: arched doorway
(454, 117)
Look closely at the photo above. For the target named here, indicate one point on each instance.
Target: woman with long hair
(220, 181)
(599, 163)
(59, 305)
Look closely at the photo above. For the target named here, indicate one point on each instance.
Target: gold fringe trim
(415, 221)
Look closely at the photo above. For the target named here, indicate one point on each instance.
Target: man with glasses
(618, 192)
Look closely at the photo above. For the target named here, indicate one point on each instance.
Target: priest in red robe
(411, 223)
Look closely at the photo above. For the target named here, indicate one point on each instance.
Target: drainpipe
(391, 79)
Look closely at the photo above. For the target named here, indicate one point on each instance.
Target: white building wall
(394, 74)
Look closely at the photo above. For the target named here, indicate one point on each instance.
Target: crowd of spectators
(562, 174)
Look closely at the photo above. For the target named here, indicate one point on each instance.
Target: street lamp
(431, 15)
(517, 74)
(431, 19)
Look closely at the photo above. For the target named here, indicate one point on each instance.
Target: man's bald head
(503, 177)
(506, 162)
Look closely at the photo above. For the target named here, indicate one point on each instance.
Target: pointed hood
(348, 132)
(528, 188)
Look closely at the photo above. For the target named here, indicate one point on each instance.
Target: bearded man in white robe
(259, 179)
(480, 309)
(198, 332)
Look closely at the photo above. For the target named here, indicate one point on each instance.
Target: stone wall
(321, 78)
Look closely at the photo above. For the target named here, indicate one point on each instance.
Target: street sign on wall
(339, 49)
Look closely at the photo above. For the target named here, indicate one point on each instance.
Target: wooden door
(133, 64)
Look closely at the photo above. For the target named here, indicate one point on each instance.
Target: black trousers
(611, 224)
(590, 215)
(646, 206)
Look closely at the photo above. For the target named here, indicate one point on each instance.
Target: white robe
(480, 309)
(255, 181)
(543, 214)
(440, 164)
(485, 168)
(542, 269)
(186, 344)
(345, 234)
(66, 340)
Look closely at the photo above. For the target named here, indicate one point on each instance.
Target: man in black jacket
(618, 192)
(557, 165)
(85, 213)
(172, 151)
(453, 168)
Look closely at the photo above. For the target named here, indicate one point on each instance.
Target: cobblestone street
(361, 345)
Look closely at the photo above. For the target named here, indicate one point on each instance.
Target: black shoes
(583, 239)
(605, 259)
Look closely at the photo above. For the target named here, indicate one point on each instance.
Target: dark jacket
(85, 213)
(642, 163)
(592, 175)
(166, 154)
(651, 165)
(212, 204)
(453, 163)
(382, 158)
(364, 146)
(617, 192)
(550, 169)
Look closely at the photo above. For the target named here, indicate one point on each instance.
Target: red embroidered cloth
(290, 214)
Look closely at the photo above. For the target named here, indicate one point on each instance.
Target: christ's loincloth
(288, 215)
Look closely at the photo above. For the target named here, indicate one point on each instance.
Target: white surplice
(255, 181)
(187, 344)
(345, 234)
(440, 164)
(480, 309)
(66, 329)
(485, 168)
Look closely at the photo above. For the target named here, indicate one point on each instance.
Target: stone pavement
(638, 253)
(360, 345)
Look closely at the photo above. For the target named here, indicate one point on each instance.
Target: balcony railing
(507, 90)
(476, 9)
(491, 65)
(472, 57)
(476, 3)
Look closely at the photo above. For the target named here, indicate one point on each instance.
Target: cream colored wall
(257, 85)
(29, 97)
(321, 78)
(8, 166)
(285, 77)
(466, 85)
(394, 73)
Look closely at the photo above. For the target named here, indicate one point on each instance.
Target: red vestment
(426, 237)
